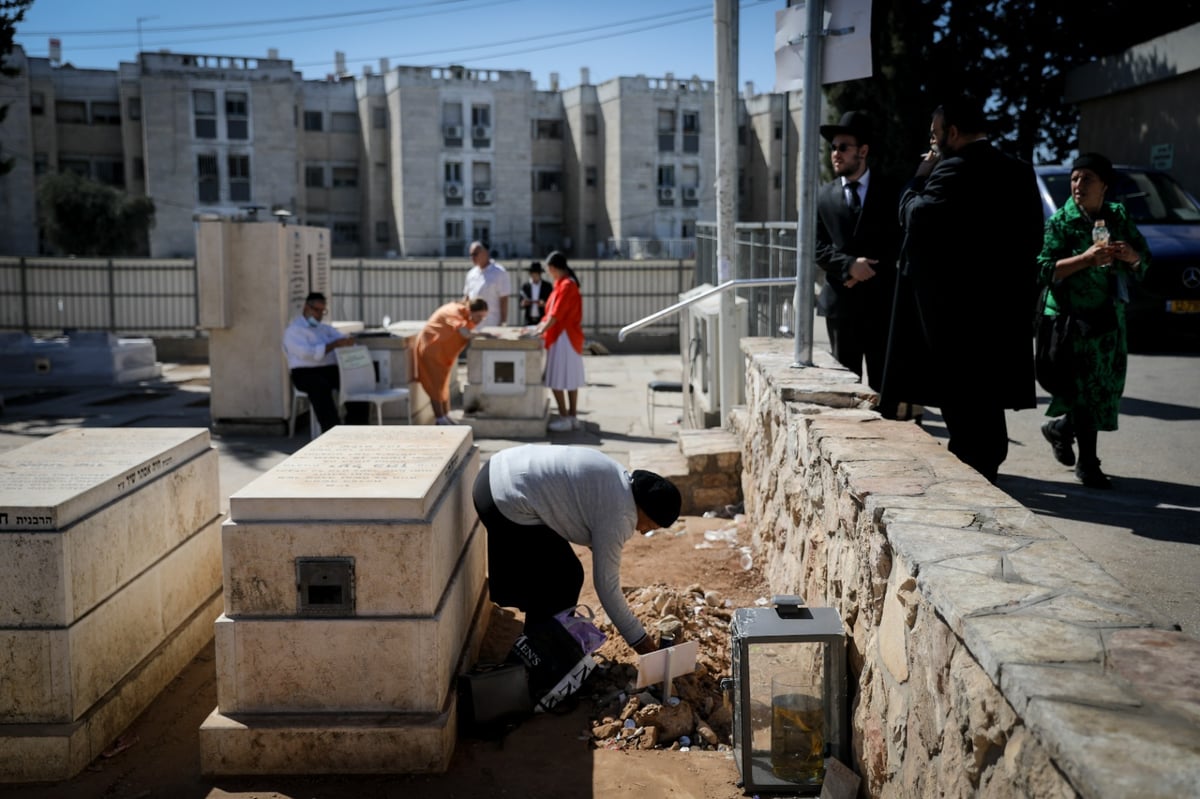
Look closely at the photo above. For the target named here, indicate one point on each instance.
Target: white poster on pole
(847, 51)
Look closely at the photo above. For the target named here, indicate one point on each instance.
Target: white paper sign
(846, 54)
(652, 668)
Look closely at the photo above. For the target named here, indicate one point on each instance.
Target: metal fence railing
(156, 297)
(762, 250)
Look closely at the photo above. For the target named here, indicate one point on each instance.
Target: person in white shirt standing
(487, 280)
(309, 345)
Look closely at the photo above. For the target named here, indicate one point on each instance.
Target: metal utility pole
(725, 24)
(806, 183)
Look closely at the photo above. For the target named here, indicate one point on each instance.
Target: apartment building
(412, 161)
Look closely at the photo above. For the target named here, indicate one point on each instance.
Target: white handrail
(749, 282)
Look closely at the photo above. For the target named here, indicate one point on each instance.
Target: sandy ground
(546, 756)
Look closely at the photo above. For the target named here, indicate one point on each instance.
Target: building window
(237, 115)
(341, 122)
(313, 120)
(590, 175)
(691, 131)
(666, 176)
(106, 113)
(110, 172)
(239, 178)
(314, 176)
(482, 232)
(205, 110)
(778, 131)
(139, 168)
(547, 129)
(453, 171)
(133, 106)
(381, 232)
(547, 180)
(777, 179)
(455, 242)
(591, 124)
(481, 124)
(345, 177)
(37, 104)
(666, 130)
(70, 111)
(379, 115)
(80, 166)
(208, 181)
(41, 163)
(345, 233)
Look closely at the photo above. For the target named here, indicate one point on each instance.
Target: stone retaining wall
(988, 656)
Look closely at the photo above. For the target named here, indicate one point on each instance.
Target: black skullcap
(1096, 163)
(656, 496)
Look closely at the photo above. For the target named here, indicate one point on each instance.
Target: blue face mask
(312, 322)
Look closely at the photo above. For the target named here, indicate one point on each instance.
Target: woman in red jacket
(562, 330)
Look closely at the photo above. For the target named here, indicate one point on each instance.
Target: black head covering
(855, 123)
(1098, 164)
(536, 266)
(656, 496)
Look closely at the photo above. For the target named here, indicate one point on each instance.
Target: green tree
(83, 217)
(11, 12)
(1013, 55)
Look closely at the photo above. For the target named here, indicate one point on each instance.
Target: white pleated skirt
(564, 366)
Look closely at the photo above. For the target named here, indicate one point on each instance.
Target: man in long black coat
(857, 242)
(962, 330)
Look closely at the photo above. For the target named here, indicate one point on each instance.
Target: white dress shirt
(304, 345)
(492, 285)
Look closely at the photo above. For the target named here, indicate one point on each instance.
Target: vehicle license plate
(1183, 306)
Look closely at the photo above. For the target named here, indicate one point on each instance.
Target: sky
(611, 37)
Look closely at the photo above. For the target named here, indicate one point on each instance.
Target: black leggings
(530, 567)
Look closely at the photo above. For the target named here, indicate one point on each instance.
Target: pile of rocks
(697, 715)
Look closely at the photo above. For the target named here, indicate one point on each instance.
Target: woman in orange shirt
(562, 329)
(443, 338)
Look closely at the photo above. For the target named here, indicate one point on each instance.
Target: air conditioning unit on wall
(481, 132)
(691, 193)
(454, 190)
(666, 193)
(452, 131)
(483, 196)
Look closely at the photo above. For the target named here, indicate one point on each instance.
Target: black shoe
(1090, 475)
(1061, 444)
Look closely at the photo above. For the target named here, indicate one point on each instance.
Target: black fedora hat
(854, 123)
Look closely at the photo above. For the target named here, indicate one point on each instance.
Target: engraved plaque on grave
(52, 482)
(357, 474)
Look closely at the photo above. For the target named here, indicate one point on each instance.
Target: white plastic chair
(356, 372)
(300, 404)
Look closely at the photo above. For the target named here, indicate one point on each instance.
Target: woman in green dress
(1088, 281)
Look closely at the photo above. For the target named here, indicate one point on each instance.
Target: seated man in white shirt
(309, 345)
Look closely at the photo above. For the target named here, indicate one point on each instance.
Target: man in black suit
(535, 292)
(972, 218)
(858, 238)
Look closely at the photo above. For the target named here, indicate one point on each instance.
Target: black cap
(855, 123)
(656, 496)
(536, 266)
(1096, 163)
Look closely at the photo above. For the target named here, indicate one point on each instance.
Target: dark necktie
(852, 196)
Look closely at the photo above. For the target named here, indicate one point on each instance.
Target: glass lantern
(789, 695)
